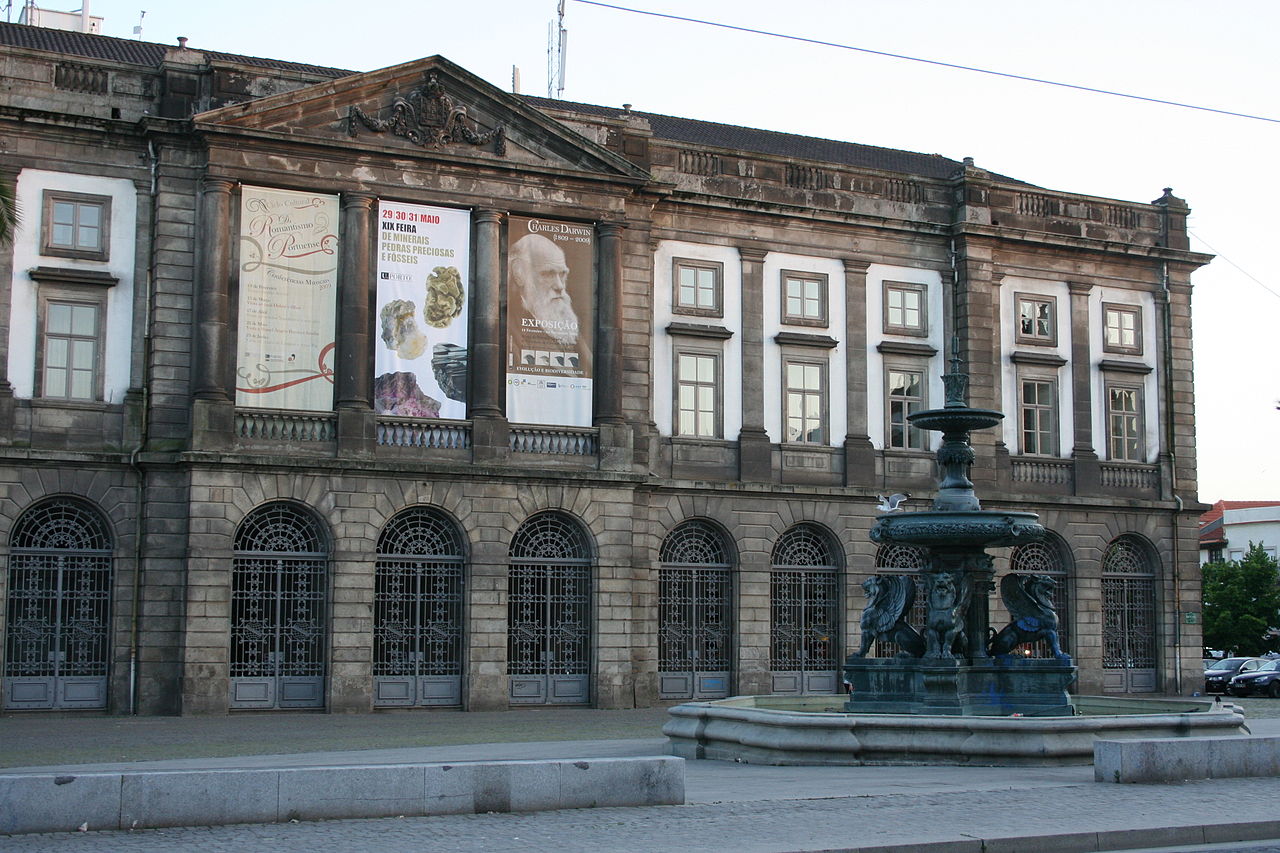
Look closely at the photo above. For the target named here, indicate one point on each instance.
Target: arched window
(549, 612)
(57, 627)
(1046, 558)
(1128, 617)
(903, 560)
(279, 589)
(695, 613)
(417, 611)
(804, 627)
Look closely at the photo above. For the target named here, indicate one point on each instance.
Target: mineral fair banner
(288, 297)
(420, 356)
(549, 322)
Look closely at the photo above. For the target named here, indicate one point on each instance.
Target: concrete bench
(46, 802)
(1176, 758)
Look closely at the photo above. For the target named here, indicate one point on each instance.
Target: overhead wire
(1242, 270)
(937, 62)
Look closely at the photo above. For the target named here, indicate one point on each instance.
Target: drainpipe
(1173, 473)
(144, 427)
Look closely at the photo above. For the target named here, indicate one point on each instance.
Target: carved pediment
(429, 117)
(428, 106)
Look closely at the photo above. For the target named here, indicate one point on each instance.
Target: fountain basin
(958, 529)
(813, 730)
(955, 419)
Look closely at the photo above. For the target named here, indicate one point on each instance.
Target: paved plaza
(735, 807)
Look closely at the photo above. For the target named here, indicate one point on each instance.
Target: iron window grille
(1045, 558)
(549, 600)
(804, 607)
(695, 600)
(1128, 607)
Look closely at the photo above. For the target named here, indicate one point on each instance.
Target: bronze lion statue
(889, 600)
(1029, 600)
(944, 630)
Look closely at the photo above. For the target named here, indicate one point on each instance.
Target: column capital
(610, 229)
(752, 253)
(213, 184)
(358, 200)
(1079, 288)
(855, 266)
(488, 214)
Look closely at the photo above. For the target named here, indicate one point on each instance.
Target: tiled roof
(738, 138)
(1215, 512)
(133, 52)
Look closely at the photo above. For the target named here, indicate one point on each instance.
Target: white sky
(1221, 55)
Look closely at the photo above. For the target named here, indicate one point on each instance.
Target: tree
(8, 212)
(1242, 604)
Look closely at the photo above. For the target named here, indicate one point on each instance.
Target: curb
(1083, 842)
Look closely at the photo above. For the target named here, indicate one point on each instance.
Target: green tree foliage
(1241, 602)
(8, 212)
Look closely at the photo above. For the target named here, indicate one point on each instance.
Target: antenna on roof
(557, 42)
(137, 31)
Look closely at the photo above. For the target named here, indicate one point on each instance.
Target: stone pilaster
(973, 324)
(487, 684)
(859, 454)
(213, 409)
(755, 457)
(9, 176)
(357, 291)
(1087, 471)
(489, 430)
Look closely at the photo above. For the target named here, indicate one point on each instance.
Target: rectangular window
(75, 225)
(905, 309)
(905, 395)
(697, 288)
(805, 396)
(1124, 423)
(1037, 319)
(804, 298)
(70, 357)
(1038, 406)
(1122, 329)
(698, 394)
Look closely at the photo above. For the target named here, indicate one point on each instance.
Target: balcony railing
(425, 434)
(291, 427)
(1119, 476)
(1044, 472)
(563, 441)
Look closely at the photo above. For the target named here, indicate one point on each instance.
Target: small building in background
(1228, 529)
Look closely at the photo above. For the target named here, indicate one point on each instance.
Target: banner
(549, 322)
(288, 299)
(420, 356)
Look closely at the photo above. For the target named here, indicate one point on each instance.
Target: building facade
(334, 390)
(1228, 529)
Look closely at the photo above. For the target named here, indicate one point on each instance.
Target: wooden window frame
(716, 353)
(824, 396)
(47, 246)
(1051, 339)
(790, 319)
(1109, 308)
(1140, 455)
(717, 270)
(905, 367)
(898, 329)
(1054, 440)
(63, 295)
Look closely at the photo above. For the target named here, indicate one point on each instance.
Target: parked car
(1264, 679)
(1218, 675)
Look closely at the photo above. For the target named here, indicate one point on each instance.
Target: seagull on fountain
(891, 503)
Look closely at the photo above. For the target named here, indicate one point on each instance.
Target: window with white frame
(804, 298)
(904, 395)
(1124, 423)
(69, 357)
(805, 400)
(697, 393)
(1122, 329)
(1038, 415)
(698, 287)
(75, 225)
(1037, 319)
(905, 309)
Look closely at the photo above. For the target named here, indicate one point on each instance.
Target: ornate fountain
(956, 692)
(957, 665)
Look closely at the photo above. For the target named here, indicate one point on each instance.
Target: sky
(1219, 55)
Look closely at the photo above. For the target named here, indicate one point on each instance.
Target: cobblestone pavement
(742, 827)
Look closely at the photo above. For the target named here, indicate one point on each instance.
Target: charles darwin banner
(420, 355)
(288, 298)
(549, 322)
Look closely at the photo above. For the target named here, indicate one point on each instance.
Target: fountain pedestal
(949, 668)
